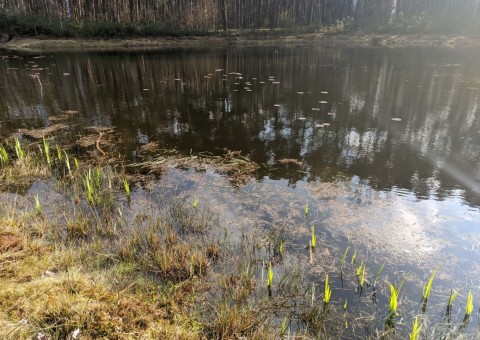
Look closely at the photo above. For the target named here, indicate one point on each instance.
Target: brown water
(388, 140)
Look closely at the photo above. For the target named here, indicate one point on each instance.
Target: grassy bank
(86, 252)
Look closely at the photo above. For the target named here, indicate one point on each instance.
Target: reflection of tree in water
(181, 98)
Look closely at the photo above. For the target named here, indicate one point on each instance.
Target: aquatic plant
(361, 273)
(270, 279)
(37, 204)
(415, 330)
(67, 164)
(59, 152)
(126, 186)
(354, 257)
(89, 186)
(428, 286)
(379, 272)
(392, 312)
(344, 258)
(18, 149)
(75, 161)
(313, 241)
(306, 209)
(46, 150)
(284, 327)
(195, 202)
(328, 292)
(469, 305)
(3, 155)
(451, 299)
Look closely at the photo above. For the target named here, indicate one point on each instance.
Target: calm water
(389, 139)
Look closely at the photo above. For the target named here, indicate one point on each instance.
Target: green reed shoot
(428, 286)
(328, 292)
(345, 305)
(195, 202)
(284, 327)
(313, 241)
(67, 163)
(98, 177)
(415, 330)
(379, 272)
(469, 306)
(306, 209)
(18, 149)
(37, 204)
(453, 296)
(46, 150)
(393, 301)
(75, 161)
(270, 277)
(126, 186)
(344, 258)
(89, 185)
(59, 153)
(354, 257)
(3, 155)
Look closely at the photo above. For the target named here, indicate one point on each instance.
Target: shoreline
(47, 44)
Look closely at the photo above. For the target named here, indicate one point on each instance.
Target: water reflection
(272, 103)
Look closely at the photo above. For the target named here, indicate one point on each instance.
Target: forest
(150, 17)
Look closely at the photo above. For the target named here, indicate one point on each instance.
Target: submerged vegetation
(107, 262)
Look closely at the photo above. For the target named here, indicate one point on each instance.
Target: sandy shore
(45, 44)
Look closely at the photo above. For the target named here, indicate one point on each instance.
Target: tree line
(208, 15)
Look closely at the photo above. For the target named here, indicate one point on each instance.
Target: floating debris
(66, 74)
(331, 113)
(397, 119)
(324, 92)
(277, 105)
(301, 118)
(315, 109)
(323, 102)
(300, 92)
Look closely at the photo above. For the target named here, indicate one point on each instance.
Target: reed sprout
(59, 152)
(37, 204)
(67, 164)
(469, 305)
(46, 150)
(415, 330)
(453, 296)
(328, 292)
(306, 209)
(428, 286)
(393, 301)
(18, 149)
(354, 257)
(3, 155)
(195, 202)
(379, 272)
(126, 186)
(313, 241)
(75, 161)
(284, 327)
(270, 279)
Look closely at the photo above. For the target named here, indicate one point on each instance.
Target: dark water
(432, 152)
(395, 173)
